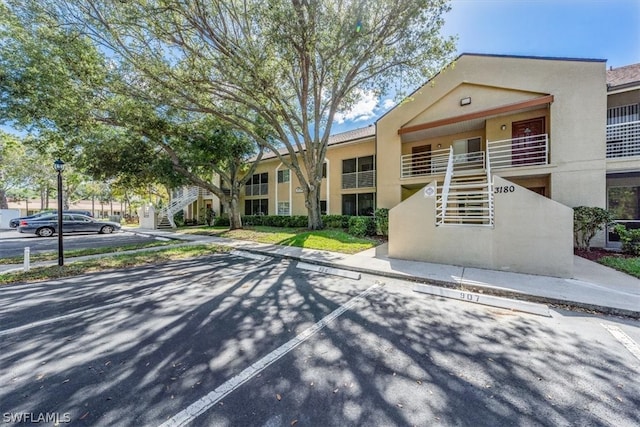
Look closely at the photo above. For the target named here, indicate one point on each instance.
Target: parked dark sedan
(15, 222)
(47, 225)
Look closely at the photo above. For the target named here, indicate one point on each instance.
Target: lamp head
(58, 165)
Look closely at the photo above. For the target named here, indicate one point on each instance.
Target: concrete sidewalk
(593, 287)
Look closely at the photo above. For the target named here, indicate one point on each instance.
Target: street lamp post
(59, 167)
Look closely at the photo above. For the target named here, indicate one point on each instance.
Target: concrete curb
(558, 303)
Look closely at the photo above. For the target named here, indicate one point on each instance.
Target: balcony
(507, 153)
(359, 179)
(623, 140)
(435, 163)
(517, 152)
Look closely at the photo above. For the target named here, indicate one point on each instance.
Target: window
(359, 204)
(324, 170)
(365, 164)
(624, 203)
(256, 207)
(283, 176)
(464, 149)
(323, 207)
(283, 208)
(349, 165)
(258, 185)
(359, 172)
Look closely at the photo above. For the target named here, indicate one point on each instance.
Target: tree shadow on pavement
(140, 345)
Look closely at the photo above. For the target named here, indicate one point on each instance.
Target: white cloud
(365, 109)
(388, 103)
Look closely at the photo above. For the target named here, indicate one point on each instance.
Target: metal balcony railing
(623, 140)
(421, 164)
(359, 179)
(517, 152)
(435, 162)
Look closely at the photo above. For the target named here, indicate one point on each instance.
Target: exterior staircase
(466, 197)
(165, 214)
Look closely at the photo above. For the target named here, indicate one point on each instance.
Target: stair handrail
(447, 183)
(178, 203)
(489, 184)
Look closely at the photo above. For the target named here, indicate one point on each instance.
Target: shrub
(587, 221)
(361, 226)
(296, 221)
(335, 221)
(178, 218)
(382, 222)
(222, 220)
(630, 239)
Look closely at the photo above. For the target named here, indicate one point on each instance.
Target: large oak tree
(292, 63)
(97, 114)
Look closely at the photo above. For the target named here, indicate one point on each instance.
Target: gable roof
(621, 77)
(490, 55)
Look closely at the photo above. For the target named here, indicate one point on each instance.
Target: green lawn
(627, 265)
(112, 262)
(328, 240)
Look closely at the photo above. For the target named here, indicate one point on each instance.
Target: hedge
(357, 224)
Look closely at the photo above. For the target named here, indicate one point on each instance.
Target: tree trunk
(313, 208)
(4, 204)
(233, 207)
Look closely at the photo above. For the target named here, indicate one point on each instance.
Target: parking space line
(625, 339)
(197, 408)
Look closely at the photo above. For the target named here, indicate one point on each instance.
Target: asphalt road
(228, 341)
(13, 243)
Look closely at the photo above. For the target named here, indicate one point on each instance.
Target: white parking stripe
(197, 408)
(625, 339)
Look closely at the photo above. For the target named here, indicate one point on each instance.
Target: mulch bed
(596, 253)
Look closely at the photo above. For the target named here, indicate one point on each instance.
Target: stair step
(467, 186)
(474, 171)
(468, 177)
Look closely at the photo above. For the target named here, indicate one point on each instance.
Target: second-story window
(258, 185)
(283, 176)
(359, 172)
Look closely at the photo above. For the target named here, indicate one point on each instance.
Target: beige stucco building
(482, 165)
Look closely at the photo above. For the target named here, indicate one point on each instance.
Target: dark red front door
(528, 145)
(421, 160)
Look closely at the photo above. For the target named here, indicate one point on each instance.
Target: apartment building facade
(526, 137)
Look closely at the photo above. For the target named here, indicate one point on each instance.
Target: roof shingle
(623, 76)
(338, 138)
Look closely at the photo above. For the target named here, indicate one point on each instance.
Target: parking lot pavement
(12, 243)
(226, 340)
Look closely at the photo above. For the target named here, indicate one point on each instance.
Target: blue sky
(600, 29)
